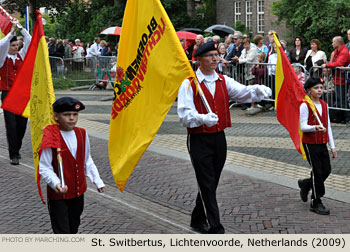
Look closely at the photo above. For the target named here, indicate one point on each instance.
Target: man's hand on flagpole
(61, 190)
(209, 119)
(101, 190)
(263, 90)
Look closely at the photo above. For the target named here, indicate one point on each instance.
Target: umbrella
(186, 35)
(114, 30)
(221, 30)
(194, 30)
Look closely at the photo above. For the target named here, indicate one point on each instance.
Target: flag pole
(201, 94)
(2, 10)
(60, 167)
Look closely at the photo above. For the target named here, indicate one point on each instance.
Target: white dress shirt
(95, 50)
(186, 109)
(45, 163)
(304, 117)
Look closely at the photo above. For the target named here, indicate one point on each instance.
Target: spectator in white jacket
(95, 49)
(315, 57)
(249, 55)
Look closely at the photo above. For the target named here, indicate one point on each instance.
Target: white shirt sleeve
(27, 39)
(330, 133)
(46, 170)
(241, 93)
(304, 117)
(90, 168)
(4, 48)
(186, 109)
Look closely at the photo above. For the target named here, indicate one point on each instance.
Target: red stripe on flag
(290, 97)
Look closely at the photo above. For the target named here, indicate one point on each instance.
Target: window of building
(260, 16)
(249, 15)
(238, 11)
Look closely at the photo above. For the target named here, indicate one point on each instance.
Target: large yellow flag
(150, 68)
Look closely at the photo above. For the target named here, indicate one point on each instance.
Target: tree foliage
(321, 19)
(18, 5)
(86, 19)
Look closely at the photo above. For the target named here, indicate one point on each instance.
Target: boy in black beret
(317, 133)
(71, 144)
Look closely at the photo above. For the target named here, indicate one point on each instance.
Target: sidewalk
(257, 192)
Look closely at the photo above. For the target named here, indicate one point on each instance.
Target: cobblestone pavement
(257, 192)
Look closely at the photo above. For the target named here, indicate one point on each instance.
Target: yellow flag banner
(42, 94)
(151, 66)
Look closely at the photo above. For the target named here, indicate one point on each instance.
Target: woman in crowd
(221, 60)
(315, 57)
(260, 47)
(249, 55)
(298, 52)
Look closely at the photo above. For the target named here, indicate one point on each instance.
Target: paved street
(257, 192)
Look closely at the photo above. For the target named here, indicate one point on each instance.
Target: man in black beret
(66, 203)
(11, 59)
(206, 138)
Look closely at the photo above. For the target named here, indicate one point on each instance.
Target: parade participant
(315, 139)
(66, 203)
(10, 61)
(206, 138)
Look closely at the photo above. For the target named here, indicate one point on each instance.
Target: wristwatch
(19, 26)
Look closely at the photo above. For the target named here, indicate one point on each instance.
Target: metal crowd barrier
(337, 80)
(336, 86)
(100, 71)
(95, 70)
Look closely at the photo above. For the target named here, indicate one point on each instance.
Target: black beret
(312, 82)
(210, 46)
(67, 104)
(14, 38)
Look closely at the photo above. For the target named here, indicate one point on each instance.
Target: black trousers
(318, 157)
(65, 214)
(15, 129)
(208, 156)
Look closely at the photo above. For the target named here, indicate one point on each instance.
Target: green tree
(322, 19)
(19, 5)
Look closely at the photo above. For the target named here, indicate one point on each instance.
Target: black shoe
(201, 228)
(304, 191)
(318, 208)
(217, 230)
(14, 161)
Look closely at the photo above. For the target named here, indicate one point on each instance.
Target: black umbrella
(221, 30)
(194, 30)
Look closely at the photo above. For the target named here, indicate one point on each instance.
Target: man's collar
(201, 76)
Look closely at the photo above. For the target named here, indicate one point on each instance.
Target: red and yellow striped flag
(289, 96)
(32, 93)
(151, 67)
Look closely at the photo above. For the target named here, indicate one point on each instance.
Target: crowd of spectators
(252, 61)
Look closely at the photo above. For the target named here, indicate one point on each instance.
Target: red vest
(219, 105)
(73, 169)
(8, 72)
(317, 137)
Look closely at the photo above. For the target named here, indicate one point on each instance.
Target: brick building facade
(256, 15)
